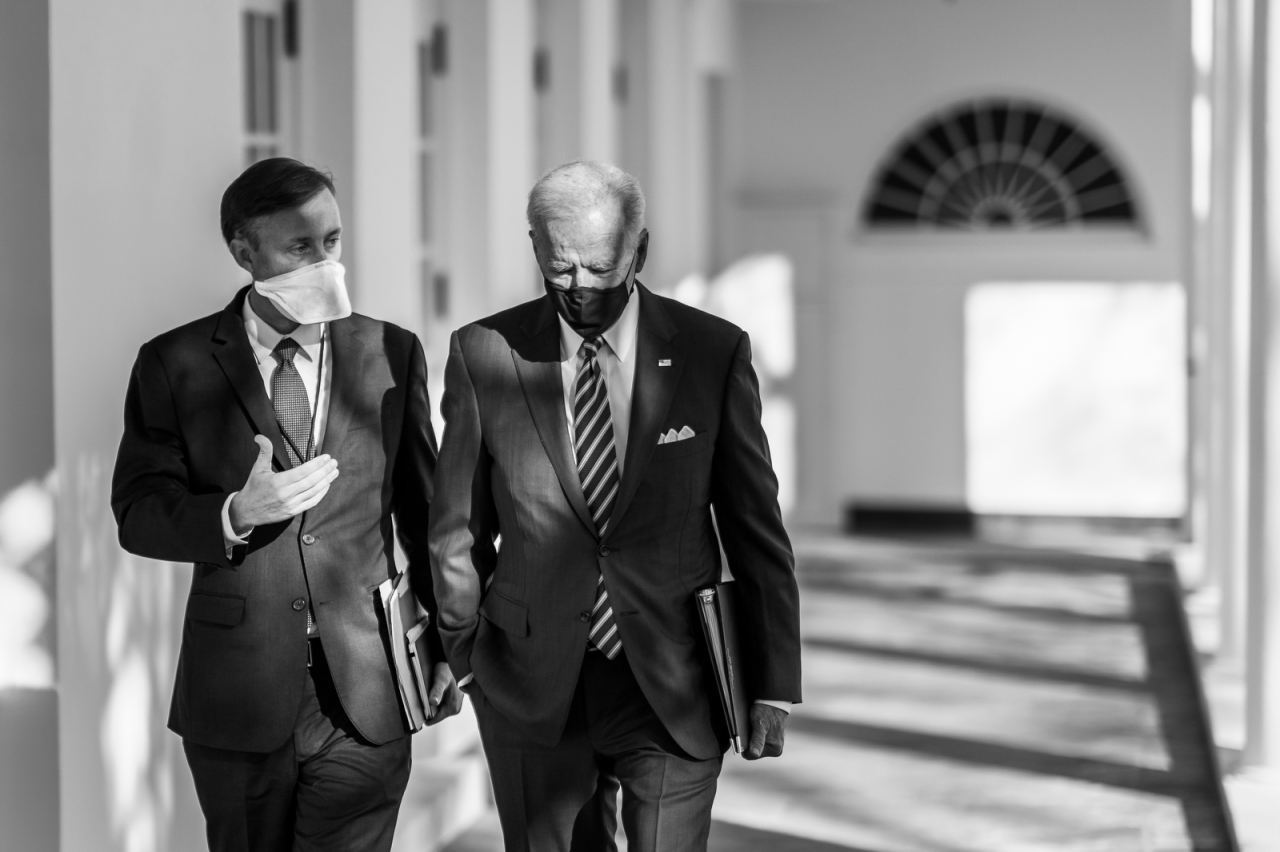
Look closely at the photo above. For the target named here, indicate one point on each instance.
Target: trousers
(560, 798)
(326, 789)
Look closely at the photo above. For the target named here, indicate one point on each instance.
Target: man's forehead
(592, 224)
(321, 210)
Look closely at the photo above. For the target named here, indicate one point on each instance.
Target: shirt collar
(620, 337)
(264, 337)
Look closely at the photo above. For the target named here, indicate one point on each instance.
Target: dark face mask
(589, 311)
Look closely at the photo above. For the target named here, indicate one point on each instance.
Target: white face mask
(315, 293)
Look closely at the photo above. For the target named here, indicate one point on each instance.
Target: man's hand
(445, 697)
(768, 729)
(271, 497)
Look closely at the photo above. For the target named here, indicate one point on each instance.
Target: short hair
(266, 187)
(583, 185)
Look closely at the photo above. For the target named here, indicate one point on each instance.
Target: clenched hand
(445, 698)
(268, 498)
(768, 729)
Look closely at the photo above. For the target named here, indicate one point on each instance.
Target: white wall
(145, 136)
(28, 701)
(825, 89)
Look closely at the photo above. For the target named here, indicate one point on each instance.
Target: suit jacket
(516, 615)
(195, 402)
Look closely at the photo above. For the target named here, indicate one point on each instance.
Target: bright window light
(1076, 399)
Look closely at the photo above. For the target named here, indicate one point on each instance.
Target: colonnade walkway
(972, 696)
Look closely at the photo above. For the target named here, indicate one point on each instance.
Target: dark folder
(717, 610)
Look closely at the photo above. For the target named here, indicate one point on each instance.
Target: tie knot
(285, 350)
(592, 345)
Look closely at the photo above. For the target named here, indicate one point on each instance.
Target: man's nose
(585, 278)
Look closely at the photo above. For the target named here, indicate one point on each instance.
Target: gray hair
(584, 185)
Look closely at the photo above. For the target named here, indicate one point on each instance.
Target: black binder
(717, 610)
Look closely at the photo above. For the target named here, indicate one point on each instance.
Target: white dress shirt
(617, 360)
(262, 340)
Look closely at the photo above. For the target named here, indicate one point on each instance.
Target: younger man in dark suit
(235, 426)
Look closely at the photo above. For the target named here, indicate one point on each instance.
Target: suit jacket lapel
(651, 395)
(538, 366)
(349, 354)
(234, 355)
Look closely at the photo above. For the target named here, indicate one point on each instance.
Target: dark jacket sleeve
(157, 514)
(412, 486)
(745, 497)
(464, 525)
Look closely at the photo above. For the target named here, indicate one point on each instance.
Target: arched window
(997, 164)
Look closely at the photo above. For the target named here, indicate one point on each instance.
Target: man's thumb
(264, 452)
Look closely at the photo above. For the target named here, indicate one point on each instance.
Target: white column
(28, 699)
(327, 110)
(145, 127)
(381, 202)
(1262, 660)
(1209, 295)
(510, 167)
(1243, 71)
(26, 372)
(1218, 422)
(688, 41)
(598, 112)
(633, 56)
(466, 142)
(558, 28)
(669, 181)
(1227, 483)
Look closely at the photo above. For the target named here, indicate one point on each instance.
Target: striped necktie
(598, 472)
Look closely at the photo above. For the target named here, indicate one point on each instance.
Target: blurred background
(1010, 270)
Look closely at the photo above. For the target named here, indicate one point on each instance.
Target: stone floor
(963, 696)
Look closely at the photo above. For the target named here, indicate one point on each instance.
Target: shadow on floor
(727, 837)
(968, 696)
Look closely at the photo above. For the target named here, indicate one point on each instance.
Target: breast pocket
(679, 449)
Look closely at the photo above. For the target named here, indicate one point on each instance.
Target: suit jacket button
(299, 604)
(308, 539)
(585, 616)
(604, 550)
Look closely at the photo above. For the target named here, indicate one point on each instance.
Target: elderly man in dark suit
(234, 430)
(589, 436)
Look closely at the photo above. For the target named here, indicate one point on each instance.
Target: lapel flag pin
(664, 362)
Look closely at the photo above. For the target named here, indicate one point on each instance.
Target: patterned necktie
(289, 398)
(598, 472)
(293, 413)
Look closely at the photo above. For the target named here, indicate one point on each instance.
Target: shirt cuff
(229, 537)
(466, 679)
(784, 706)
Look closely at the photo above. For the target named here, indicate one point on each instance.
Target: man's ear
(642, 250)
(533, 238)
(242, 253)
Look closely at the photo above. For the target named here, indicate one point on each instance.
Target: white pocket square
(672, 435)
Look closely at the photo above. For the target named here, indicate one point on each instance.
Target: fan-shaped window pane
(999, 164)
